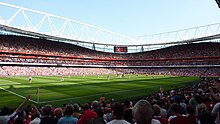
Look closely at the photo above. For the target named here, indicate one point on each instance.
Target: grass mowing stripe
(12, 82)
(16, 94)
(80, 89)
(120, 91)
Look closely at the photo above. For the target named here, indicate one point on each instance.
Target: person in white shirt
(30, 79)
(6, 117)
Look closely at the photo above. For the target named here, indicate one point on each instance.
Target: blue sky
(131, 17)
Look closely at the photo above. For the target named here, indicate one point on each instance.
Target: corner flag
(37, 92)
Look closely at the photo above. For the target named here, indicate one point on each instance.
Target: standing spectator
(6, 115)
(35, 115)
(46, 118)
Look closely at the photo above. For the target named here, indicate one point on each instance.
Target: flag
(37, 92)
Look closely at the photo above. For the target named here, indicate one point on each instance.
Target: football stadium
(53, 68)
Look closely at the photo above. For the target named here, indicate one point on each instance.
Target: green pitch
(80, 89)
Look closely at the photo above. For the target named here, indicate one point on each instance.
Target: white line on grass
(17, 95)
(93, 95)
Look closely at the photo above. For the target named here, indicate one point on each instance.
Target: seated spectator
(128, 111)
(191, 116)
(94, 105)
(216, 109)
(58, 113)
(163, 112)
(108, 115)
(118, 113)
(176, 99)
(157, 115)
(100, 118)
(76, 110)
(177, 118)
(203, 115)
(143, 113)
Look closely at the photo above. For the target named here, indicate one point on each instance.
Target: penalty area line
(17, 95)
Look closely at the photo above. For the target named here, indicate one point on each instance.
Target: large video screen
(120, 49)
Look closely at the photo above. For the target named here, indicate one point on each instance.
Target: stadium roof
(44, 25)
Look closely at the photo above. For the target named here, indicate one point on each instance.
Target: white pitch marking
(17, 95)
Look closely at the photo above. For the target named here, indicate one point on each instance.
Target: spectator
(177, 118)
(35, 115)
(203, 115)
(118, 113)
(157, 115)
(46, 115)
(216, 109)
(127, 111)
(68, 119)
(58, 113)
(6, 115)
(76, 110)
(87, 114)
(143, 113)
(191, 117)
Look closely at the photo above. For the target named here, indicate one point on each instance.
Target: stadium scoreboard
(120, 49)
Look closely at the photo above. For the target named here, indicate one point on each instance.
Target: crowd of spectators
(195, 104)
(18, 49)
(49, 60)
(74, 71)
(31, 50)
(52, 71)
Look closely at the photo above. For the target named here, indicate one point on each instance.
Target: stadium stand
(193, 104)
(197, 59)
